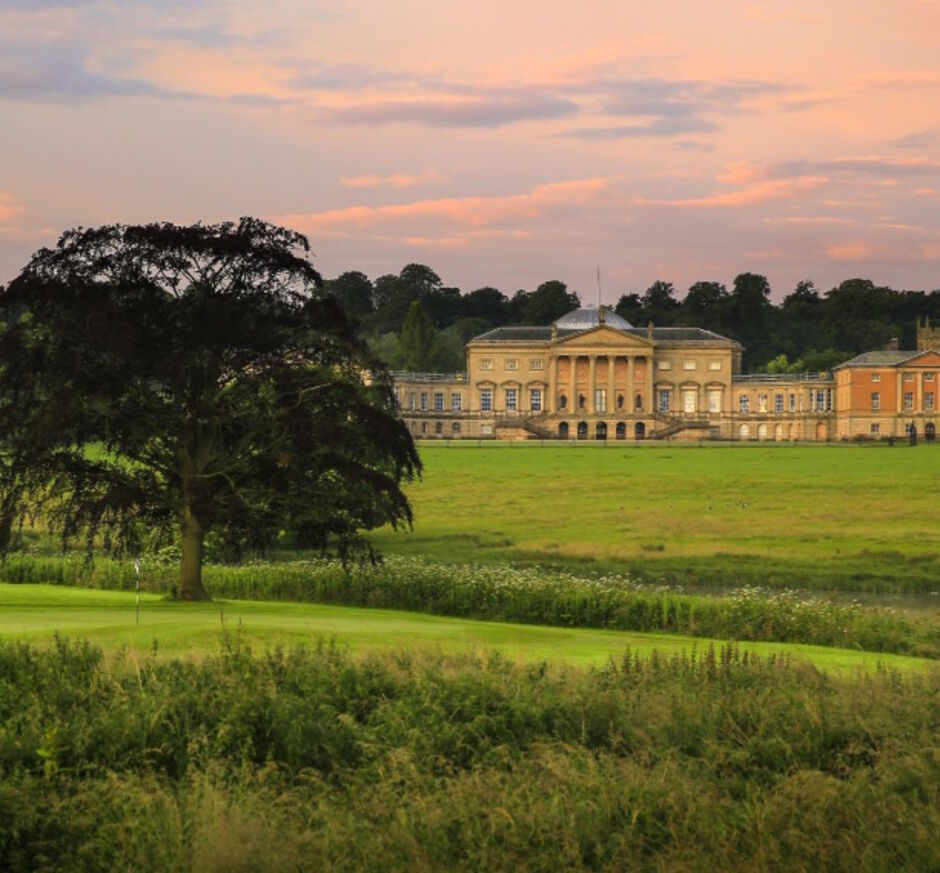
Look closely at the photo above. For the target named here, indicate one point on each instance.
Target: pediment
(929, 358)
(603, 337)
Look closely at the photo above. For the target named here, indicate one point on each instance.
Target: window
(793, 403)
(928, 377)
(455, 427)
(424, 427)
(744, 404)
(600, 400)
(761, 402)
(438, 401)
(456, 402)
(424, 401)
(486, 364)
(486, 400)
(665, 365)
(536, 364)
(714, 401)
(411, 399)
(778, 403)
(820, 399)
(689, 398)
(908, 377)
(928, 401)
(875, 429)
(438, 428)
(876, 377)
(664, 400)
(714, 365)
(512, 363)
(510, 400)
(397, 398)
(908, 400)
(688, 365)
(875, 401)
(535, 399)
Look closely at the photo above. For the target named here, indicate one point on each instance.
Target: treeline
(414, 322)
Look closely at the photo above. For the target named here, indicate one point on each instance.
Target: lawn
(108, 618)
(850, 517)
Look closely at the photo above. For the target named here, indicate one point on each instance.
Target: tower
(927, 337)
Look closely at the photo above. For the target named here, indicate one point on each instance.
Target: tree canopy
(162, 380)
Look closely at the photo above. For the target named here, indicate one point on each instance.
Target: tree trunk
(191, 563)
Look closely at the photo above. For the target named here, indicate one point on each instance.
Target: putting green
(108, 619)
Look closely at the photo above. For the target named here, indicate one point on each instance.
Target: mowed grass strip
(846, 517)
(108, 618)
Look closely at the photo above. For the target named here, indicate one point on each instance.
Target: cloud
(10, 209)
(394, 180)
(467, 213)
(919, 139)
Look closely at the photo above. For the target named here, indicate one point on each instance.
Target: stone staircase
(673, 424)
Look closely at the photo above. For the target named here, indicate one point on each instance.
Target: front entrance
(930, 431)
(600, 432)
(640, 431)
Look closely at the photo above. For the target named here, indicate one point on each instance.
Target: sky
(501, 143)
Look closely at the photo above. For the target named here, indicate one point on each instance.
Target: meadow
(860, 518)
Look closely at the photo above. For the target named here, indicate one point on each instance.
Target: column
(611, 388)
(900, 396)
(920, 393)
(630, 403)
(550, 403)
(573, 399)
(649, 384)
(592, 375)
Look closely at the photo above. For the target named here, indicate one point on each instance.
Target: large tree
(164, 380)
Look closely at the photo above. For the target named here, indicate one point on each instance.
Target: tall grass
(309, 760)
(506, 593)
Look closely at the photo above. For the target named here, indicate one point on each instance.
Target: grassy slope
(36, 612)
(841, 516)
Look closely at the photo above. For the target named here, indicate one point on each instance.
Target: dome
(582, 319)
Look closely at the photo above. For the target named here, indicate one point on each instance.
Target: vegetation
(531, 596)
(807, 331)
(849, 518)
(191, 377)
(306, 758)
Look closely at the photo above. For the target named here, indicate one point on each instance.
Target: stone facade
(591, 375)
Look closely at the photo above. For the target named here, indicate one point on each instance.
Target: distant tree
(191, 379)
(419, 280)
(417, 339)
(749, 314)
(353, 291)
(630, 307)
(704, 306)
(549, 302)
(487, 304)
(387, 289)
(659, 303)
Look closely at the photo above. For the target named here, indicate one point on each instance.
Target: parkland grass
(849, 517)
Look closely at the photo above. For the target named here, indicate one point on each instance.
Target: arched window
(762, 431)
(563, 430)
(745, 432)
(438, 428)
(639, 431)
(582, 430)
(600, 432)
(621, 430)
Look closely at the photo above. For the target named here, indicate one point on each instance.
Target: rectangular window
(512, 364)
(875, 401)
(761, 402)
(510, 400)
(397, 398)
(714, 365)
(486, 364)
(689, 398)
(928, 401)
(600, 400)
(876, 377)
(438, 401)
(875, 429)
(744, 404)
(664, 400)
(424, 401)
(778, 403)
(928, 377)
(714, 401)
(536, 364)
(665, 365)
(828, 400)
(820, 399)
(424, 427)
(411, 398)
(535, 399)
(908, 400)
(908, 377)
(688, 365)
(486, 400)
(793, 403)
(456, 402)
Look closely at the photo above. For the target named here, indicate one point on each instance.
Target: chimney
(893, 344)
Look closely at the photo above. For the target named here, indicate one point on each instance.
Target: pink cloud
(754, 185)
(856, 251)
(10, 209)
(394, 180)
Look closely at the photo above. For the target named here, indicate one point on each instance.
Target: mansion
(593, 375)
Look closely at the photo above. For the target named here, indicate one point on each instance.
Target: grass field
(849, 517)
(38, 612)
